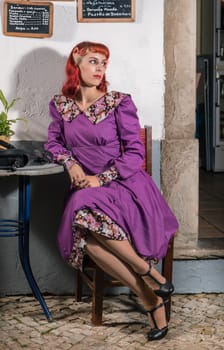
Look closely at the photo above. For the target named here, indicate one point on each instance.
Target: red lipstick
(97, 76)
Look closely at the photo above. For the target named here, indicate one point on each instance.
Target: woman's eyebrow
(98, 59)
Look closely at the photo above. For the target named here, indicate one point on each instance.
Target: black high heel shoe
(156, 333)
(165, 289)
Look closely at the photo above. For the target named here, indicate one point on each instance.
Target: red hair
(71, 86)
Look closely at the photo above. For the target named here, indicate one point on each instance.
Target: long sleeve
(128, 125)
(108, 176)
(56, 142)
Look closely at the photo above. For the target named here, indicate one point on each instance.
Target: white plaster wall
(33, 69)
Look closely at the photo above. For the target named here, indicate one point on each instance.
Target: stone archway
(179, 147)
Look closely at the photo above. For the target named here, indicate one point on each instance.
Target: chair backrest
(146, 137)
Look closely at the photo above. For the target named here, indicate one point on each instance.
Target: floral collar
(97, 112)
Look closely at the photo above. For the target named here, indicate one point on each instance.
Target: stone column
(179, 169)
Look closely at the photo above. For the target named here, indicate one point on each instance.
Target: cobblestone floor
(197, 323)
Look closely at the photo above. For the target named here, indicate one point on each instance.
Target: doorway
(211, 180)
(211, 205)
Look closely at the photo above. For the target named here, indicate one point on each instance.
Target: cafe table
(20, 227)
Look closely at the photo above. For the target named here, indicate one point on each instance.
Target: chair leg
(78, 286)
(167, 271)
(97, 297)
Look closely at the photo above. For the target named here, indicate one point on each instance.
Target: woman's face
(92, 69)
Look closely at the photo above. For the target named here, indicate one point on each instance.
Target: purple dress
(132, 200)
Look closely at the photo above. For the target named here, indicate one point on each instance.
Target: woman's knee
(92, 246)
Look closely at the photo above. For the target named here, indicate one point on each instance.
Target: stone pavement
(197, 323)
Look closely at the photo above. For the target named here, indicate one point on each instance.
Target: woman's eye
(96, 62)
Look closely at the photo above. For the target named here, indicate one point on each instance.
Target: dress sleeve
(128, 126)
(108, 176)
(56, 142)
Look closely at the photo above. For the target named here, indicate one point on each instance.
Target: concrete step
(199, 266)
(198, 275)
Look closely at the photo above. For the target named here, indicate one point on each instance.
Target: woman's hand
(93, 181)
(78, 177)
(80, 180)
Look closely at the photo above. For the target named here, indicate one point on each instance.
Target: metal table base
(20, 228)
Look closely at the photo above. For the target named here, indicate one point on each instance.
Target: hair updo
(71, 86)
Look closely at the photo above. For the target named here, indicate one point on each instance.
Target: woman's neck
(87, 97)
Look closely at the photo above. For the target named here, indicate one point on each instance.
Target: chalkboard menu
(106, 10)
(28, 19)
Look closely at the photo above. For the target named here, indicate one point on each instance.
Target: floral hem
(87, 220)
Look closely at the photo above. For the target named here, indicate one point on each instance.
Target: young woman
(114, 212)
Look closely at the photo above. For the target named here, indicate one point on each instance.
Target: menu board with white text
(28, 19)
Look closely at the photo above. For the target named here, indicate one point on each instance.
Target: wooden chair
(94, 276)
